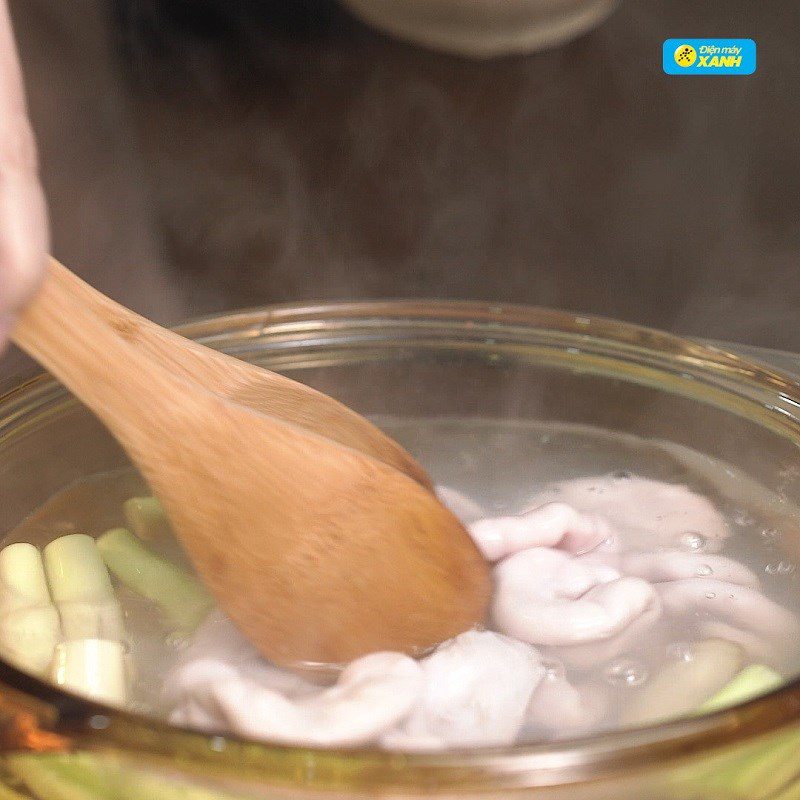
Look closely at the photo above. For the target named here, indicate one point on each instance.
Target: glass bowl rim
(46, 718)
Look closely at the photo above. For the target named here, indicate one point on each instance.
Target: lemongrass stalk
(181, 597)
(94, 668)
(771, 764)
(96, 774)
(761, 774)
(29, 623)
(92, 777)
(757, 770)
(84, 772)
(22, 575)
(147, 519)
(47, 780)
(755, 680)
(81, 589)
(141, 786)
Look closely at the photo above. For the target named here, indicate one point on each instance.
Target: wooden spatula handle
(84, 345)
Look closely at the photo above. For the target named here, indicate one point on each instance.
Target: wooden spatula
(318, 534)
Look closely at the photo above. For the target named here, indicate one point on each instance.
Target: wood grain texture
(316, 550)
(245, 384)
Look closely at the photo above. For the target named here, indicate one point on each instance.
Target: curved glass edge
(783, 360)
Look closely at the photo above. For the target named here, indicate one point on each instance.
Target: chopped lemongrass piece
(182, 598)
(94, 668)
(81, 589)
(29, 623)
(753, 681)
(22, 575)
(147, 518)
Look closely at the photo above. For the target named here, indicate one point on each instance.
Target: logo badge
(685, 55)
(709, 56)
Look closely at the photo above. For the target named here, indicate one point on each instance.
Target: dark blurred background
(201, 155)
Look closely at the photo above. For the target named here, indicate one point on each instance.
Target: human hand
(23, 211)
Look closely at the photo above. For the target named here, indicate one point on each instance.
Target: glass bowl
(425, 359)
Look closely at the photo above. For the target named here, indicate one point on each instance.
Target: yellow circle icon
(685, 55)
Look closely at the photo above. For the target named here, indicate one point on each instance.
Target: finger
(23, 215)
(6, 321)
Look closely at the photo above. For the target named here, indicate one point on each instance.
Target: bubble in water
(694, 541)
(625, 672)
(742, 518)
(780, 568)
(710, 595)
(704, 569)
(553, 670)
(680, 651)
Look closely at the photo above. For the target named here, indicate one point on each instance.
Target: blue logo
(709, 56)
